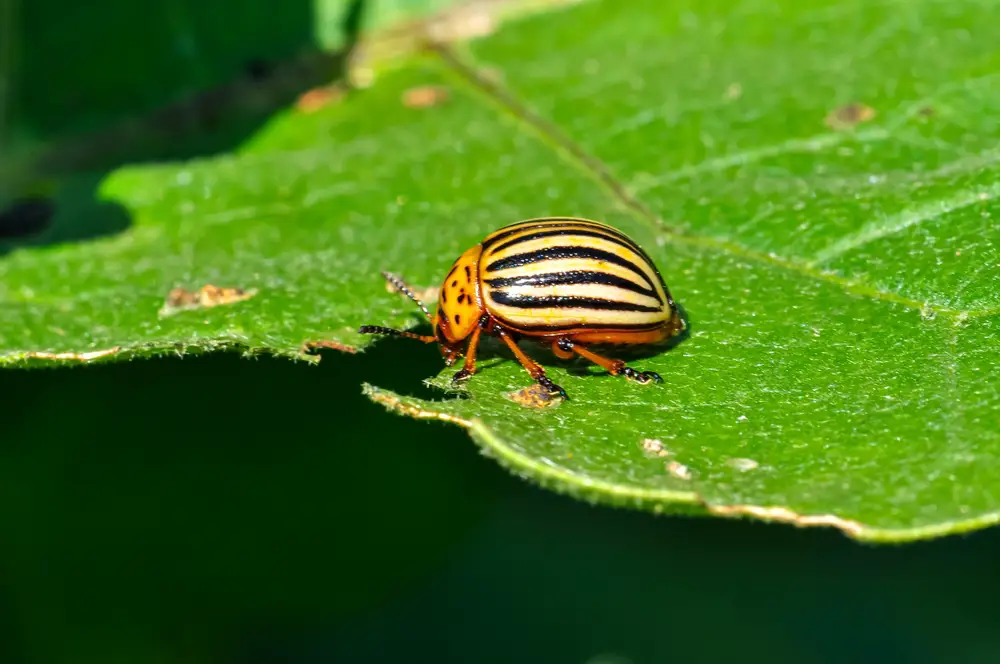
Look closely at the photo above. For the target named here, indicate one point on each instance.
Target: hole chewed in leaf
(849, 116)
(258, 69)
(653, 447)
(425, 96)
(181, 299)
(319, 98)
(678, 470)
(25, 217)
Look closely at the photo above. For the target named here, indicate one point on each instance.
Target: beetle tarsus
(552, 388)
(641, 377)
(461, 376)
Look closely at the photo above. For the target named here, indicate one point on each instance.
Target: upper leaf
(816, 181)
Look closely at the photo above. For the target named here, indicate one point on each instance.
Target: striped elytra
(563, 281)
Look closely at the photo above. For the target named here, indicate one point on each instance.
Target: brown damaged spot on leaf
(678, 470)
(319, 98)
(533, 396)
(654, 447)
(849, 115)
(785, 515)
(181, 299)
(425, 96)
(311, 346)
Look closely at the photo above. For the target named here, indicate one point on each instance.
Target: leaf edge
(663, 502)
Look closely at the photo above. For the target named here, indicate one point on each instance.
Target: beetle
(564, 281)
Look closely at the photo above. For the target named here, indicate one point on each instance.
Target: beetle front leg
(533, 368)
(470, 357)
(565, 348)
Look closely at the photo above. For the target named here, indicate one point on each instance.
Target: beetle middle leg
(534, 369)
(565, 348)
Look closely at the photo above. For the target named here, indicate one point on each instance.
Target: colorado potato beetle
(562, 281)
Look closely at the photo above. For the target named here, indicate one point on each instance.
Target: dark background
(220, 509)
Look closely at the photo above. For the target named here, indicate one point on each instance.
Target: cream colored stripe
(569, 317)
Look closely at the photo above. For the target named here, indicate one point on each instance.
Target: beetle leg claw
(553, 389)
(641, 377)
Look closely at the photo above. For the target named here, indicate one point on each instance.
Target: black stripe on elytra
(556, 253)
(624, 327)
(567, 302)
(614, 239)
(507, 231)
(572, 277)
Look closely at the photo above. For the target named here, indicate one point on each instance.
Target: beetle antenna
(389, 332)
(401, 286)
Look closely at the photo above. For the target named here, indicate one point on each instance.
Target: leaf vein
(591, 165)
(898, 223)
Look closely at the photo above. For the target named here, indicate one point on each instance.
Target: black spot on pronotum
(468, 273)
(25, 217)
(458, 319)
(461, 298)
(454, 283)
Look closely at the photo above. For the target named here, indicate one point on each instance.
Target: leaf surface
(816, 181)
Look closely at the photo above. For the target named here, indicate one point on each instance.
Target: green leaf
(816, 181)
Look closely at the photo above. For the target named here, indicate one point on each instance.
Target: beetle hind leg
(566, 348)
